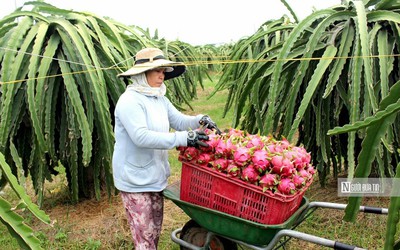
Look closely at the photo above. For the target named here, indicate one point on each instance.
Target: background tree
(332, 68)
(338, 68)
(59, 89)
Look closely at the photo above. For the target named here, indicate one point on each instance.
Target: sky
(194, 22)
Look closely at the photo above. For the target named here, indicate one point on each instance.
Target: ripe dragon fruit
(301, 158)
(260, 160)
(299, 181)
(250, 174)
(304, 173)
(235, 132)
(268, 181)
(232, 170)
(191, 153)
(311, 170)
(254, 141)
(286, 186)
(284, 144)
(287, 168)
(277, 162)
(241, 156)
(230, 148)
(213, 140)
(204, 158)
(220, 149)
(221, 164)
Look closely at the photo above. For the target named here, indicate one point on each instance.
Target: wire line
(193, 63)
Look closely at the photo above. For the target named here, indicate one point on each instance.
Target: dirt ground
(76, 225)
(104, 221)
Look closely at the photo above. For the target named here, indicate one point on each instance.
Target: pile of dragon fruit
(271, 164)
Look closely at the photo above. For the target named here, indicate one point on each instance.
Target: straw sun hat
(152, 58)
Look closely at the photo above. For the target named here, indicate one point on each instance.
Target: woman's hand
(194, 138)
(208, 123)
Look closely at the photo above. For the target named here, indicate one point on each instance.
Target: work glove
(206, 122)
(194, 138)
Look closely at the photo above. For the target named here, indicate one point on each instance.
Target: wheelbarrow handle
(365, 209)
(309, 238)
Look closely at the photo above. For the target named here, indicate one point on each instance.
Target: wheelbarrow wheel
(194, 234)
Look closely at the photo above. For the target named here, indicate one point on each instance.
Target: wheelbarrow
(212, 229)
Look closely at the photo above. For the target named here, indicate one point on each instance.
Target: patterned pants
(145, 216)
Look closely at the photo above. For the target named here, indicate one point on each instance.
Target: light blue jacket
(143, 138)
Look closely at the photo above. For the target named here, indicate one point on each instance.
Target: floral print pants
(145, 216)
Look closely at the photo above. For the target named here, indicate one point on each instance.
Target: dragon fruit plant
(275, 166)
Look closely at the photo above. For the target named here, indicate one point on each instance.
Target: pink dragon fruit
(250, 174)
(254, 141)
(204, 158)
(274, 148)
(268, 181)
(299, 181)
(285, 144)
(304, 173)
(286, 186)
(213, 140)
(277, 163)
(287, 169)
(191, 153)
(235, 132)
(260, 160)
(311, 170)
(221, 164)
(220, 149)
(230, 148)
(232, 170)
(241, 156)
(301, 158)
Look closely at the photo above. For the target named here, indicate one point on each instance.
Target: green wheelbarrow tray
(231, 226)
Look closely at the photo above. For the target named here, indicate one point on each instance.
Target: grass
(101, 224)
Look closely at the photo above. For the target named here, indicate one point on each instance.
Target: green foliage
(13, 221)
(286, 87)
(58, 92)
(59, 89)
(337, 68)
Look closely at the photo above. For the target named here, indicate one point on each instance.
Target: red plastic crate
(209, 188)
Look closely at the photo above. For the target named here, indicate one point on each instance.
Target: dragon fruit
(204, 158)
(220, 149)
(254, 141)
(213, 140)
(241, 156)
(232, 170)
(285, 144)
(235, 132)
(286, 186)
(311, 170)
(287, 168)
(257, 160)
(191, 153)
(268, 181)
(298, 181)
(221, 164)
(260, 160)
(277, 163)
(304, 173)
(250, 174)
(301, 158)
(230, 148)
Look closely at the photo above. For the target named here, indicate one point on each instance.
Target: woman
(143, 118)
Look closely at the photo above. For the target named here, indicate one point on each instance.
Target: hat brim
(178, 68)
